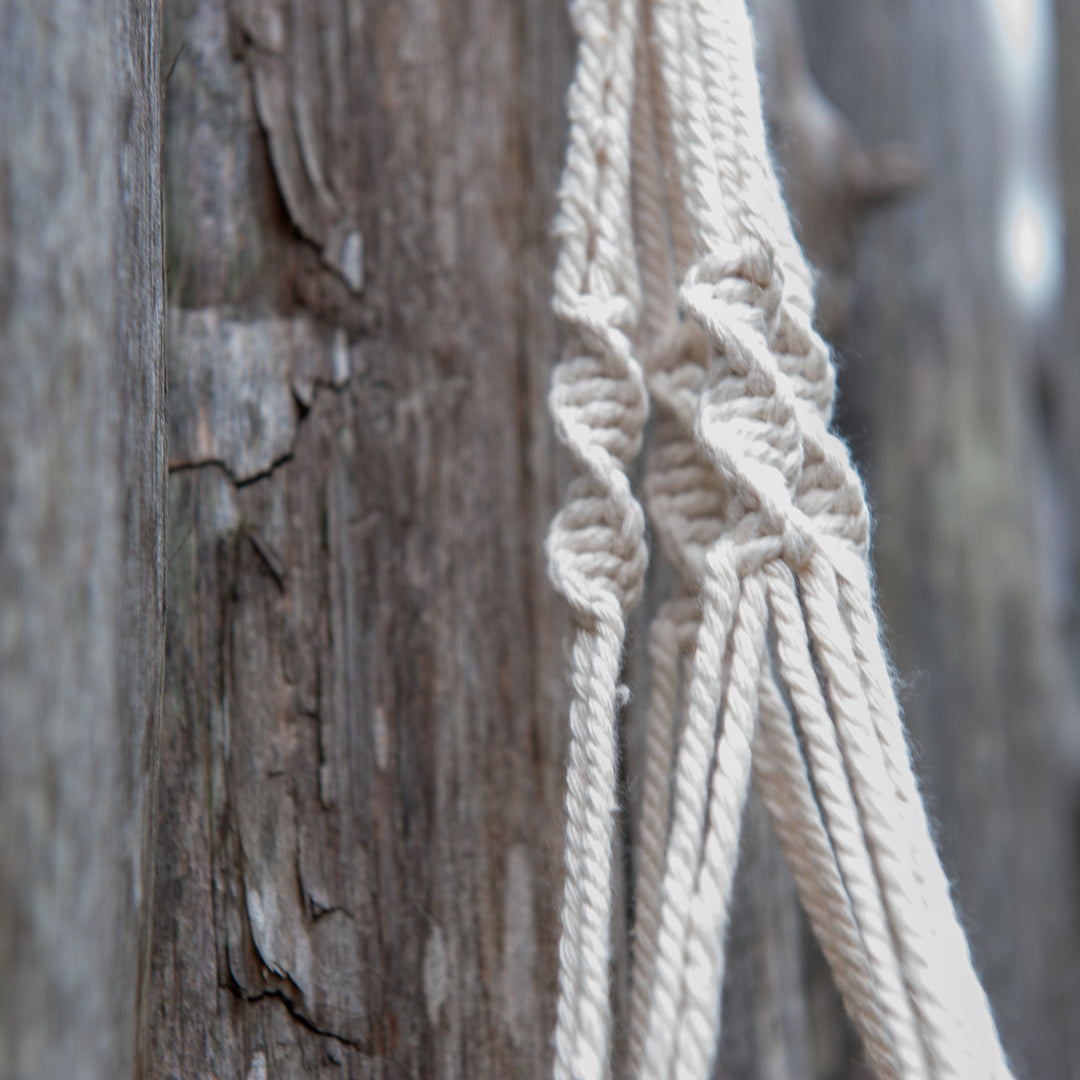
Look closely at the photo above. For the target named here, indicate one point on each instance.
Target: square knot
(743, 273)
(776, 529)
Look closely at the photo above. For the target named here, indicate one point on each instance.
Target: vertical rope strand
(841, 814)
(596, 549)
(673, 631)
(974, 1048)
(780, 774)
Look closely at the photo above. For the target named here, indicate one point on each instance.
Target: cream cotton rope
(596, 546)
(767, 661)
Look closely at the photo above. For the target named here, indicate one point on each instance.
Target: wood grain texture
(362, 772)
(82, 560)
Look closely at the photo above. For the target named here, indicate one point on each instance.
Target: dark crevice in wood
(297, 1016)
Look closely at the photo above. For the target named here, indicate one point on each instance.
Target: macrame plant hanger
(767, 661)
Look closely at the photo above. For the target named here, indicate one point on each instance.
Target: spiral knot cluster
(829, 490)
(748, 418)
(685, 498)
(596, 547)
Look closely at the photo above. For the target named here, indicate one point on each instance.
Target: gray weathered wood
(82, 562)
(362, 765)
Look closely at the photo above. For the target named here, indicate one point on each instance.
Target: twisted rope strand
(686, 512)
(780, 774)
(975, 1048)
(688, 822)
(684, 506)
(703, 918)
(841, 815)
(703, 952)
(596, 548)
(672, 632)
(651, 201)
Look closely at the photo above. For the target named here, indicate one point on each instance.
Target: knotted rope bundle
(768, 659)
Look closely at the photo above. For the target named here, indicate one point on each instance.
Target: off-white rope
(762, 513)
(674, 487)
(789, 797)
(720, 29)
(892, 1042)
(596, 548)
(671, 481)
(673, 632)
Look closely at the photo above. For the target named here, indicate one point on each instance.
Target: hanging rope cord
(822, 536)
(683, 498)
(762, 513)
(819, 881)
(596, 547)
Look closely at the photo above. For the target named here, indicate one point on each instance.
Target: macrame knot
(597, 554)
(596, 548)
(748, 417)
(742, 274)
(761, 511)
(599, 409)
(771, 527)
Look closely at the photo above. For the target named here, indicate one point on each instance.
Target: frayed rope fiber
(681, 287)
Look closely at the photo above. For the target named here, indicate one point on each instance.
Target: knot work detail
(766, 660)
(596, 546)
